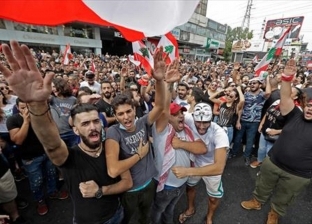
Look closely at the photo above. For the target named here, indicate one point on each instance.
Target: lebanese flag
(133, 61)
(92, 66)
(275, 51)
(255, 59)
(170, 46)
(134, 19)
(143, 55)
(67, 55)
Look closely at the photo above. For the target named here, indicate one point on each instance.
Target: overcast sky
(232, 13)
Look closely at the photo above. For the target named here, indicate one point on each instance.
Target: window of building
(35, 29)
(2, 25)
(78, 30)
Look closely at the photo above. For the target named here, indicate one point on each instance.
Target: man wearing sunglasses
(208, 166)
(250, 117)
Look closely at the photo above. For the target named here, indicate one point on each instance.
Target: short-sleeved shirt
(253, 107)
(8, 112)
(31, 147)
(60, 110)
(292, 151)
(182, 157)
(214, 138)
(95, 88)
(144, 170)
(80, 167)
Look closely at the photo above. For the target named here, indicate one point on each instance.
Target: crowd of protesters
(199, 113)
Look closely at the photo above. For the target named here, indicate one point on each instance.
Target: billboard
(274, 28)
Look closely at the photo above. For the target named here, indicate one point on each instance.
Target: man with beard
(208, 166)
(94, 193)
(182, 91)
(250, 117)
(286, 172)
(104, 104)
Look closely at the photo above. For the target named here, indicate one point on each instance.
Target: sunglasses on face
(253, 83)
(134, 89)
(3, 88)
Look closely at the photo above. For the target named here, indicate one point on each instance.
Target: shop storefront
(82, 38)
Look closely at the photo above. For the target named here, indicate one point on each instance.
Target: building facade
(82, 38)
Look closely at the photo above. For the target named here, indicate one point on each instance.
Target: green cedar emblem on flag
(271, 54)
(144, 52)
(169, 49)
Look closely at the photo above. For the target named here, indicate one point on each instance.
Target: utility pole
(246, 19)
(262, 29)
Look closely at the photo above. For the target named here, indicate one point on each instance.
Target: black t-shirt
(31, 147)
(292, 151)
(275, 95)
(80, 167)
(105, 107)
(207, 100)
(4, 167)
(274, 119)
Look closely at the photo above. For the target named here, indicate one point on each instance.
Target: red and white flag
(67, 55)
(92, 66)
(143, 55)
(170, 45)
(255, 59)
(275, 51)
(133, 61)
(160, 17)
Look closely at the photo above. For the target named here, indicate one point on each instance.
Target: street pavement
(238, 183)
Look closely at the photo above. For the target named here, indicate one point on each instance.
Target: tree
(235, 34)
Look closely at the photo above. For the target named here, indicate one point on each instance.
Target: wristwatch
(99, 193)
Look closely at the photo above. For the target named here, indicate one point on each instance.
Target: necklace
(97, 152)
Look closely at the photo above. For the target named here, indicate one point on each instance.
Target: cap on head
(175, 108)
(90, 75)
(202, 112)
(256, 79)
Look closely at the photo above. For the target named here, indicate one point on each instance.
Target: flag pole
(277, 58)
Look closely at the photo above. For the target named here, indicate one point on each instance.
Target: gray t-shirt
(60, 110)
(144, 170)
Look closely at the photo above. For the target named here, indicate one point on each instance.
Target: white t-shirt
(8, 112)
(181, 102)
(96, 87)
(182, 157)
(214, 138)
(12, 100)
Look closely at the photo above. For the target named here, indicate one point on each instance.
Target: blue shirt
(253, 107)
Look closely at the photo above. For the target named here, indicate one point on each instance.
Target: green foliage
(235, 34)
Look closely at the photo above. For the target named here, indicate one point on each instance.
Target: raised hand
(173, 74)
(290, 68)
(236, 66)
(124, 72)
(159, 65)
(25, 79)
